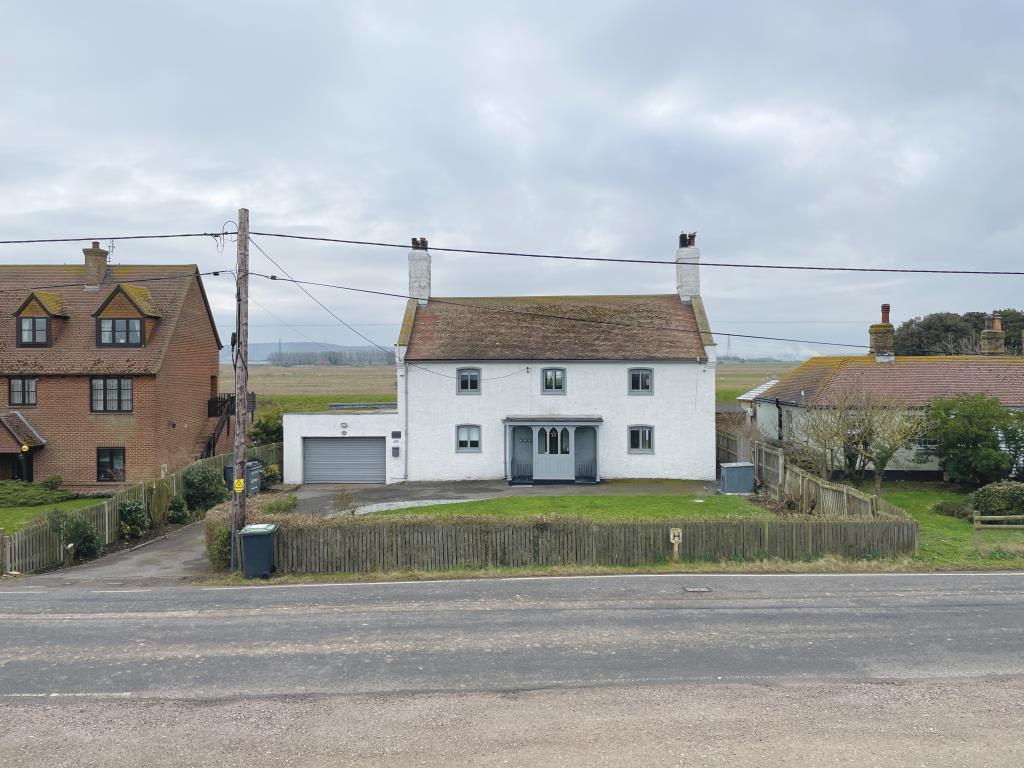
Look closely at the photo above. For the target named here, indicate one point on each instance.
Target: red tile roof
(74, 350)
(654, 327)
(907, 381)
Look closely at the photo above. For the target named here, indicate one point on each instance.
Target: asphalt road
(181, 642)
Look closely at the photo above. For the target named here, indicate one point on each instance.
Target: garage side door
(343, 460)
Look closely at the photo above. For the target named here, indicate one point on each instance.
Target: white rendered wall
(300, 425)
(681, 410)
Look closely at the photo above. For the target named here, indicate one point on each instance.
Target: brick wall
(178, 394)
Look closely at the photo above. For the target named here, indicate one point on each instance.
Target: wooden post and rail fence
(36, 547)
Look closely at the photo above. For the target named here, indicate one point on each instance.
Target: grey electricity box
(737, 477)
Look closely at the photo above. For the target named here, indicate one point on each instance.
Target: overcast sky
(858, 133)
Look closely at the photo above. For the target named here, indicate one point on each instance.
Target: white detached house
(531, 389)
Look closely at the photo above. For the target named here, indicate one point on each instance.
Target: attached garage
(344, 460)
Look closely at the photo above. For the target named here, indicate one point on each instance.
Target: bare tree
(958, 344)
(892, 428)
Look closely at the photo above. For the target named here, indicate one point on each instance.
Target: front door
(553, 454)
(522, 454)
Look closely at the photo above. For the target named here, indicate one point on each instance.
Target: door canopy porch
(552, 449)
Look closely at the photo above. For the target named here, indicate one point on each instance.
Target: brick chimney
(883, 338)
(419, 270)
(95, 264)
(993, 338)
(687, 267)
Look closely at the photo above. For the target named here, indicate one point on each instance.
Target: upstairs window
(112, 395)
(33, 331)
(641, 381)
(22, 392)
(119, 332)
(553, 381)
(467, 438)
(468, 380)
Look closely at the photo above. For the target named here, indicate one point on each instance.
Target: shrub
(177, 510)
(1000, 499)
(74, 529)
(281, 506)
(271, 476)
(965, 434)
(266, 430)
(18, 493)
(959, 508)
(217, 533)
(134, 519)
(52, 483)
(204, 487)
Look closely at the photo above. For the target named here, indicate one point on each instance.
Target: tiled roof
(51, 302)
(654, 327)
(20, 429)
(74, 350)
(142, 298)
(908, 381)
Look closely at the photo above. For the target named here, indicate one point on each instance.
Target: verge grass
(598, 508)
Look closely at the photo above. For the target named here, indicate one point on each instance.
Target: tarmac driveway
(319, 498)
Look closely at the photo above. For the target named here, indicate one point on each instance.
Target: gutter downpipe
(778, 405)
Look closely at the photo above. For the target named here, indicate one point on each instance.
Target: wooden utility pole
(241, 381)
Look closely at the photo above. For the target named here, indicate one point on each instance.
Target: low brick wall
(396, 544)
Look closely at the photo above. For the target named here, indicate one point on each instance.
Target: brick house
(109, 371)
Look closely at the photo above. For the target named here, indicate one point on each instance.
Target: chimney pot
(95, 244)
(885, 313)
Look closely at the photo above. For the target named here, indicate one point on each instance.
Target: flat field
(733, 379)
(311, 387)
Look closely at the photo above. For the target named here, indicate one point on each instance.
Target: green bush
(218, 541)
(52, 483)
(271, 476)
(18, 493)
(965, 433)
(959, 508)
(204, 487)
(281, 506)
(134, 519)
(74, 529)
(177, 510)
(1000, 499)
(266, 430)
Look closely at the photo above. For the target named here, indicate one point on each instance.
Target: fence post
(3, 554)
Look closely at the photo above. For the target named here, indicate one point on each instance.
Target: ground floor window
(641, 439)
(110, 465)
(467, 438)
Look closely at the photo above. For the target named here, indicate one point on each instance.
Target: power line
(333, 314)
(215, 235)
(214, 272)
(671, 329)
(605, 259)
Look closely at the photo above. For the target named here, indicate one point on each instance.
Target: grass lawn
(948, 542)
(15, 518)
(605, 508)
(267, 405)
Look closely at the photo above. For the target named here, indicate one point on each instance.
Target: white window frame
(544, 381)
(629, 381)
(458, 381)
(629, 438)
(469, 438)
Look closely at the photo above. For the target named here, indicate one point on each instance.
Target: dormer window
(119, 332)
(34, 332)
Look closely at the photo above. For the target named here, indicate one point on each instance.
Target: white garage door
(343, 459)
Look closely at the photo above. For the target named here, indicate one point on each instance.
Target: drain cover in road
(697, 589)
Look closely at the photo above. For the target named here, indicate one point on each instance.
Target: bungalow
(908, 381)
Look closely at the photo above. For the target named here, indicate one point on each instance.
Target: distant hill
(310, 353)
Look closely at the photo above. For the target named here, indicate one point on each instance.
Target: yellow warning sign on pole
(239, 486)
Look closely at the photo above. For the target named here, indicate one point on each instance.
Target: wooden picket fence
(382, 544)
(36, 547)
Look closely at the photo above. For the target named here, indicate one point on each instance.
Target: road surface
(876, 657)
